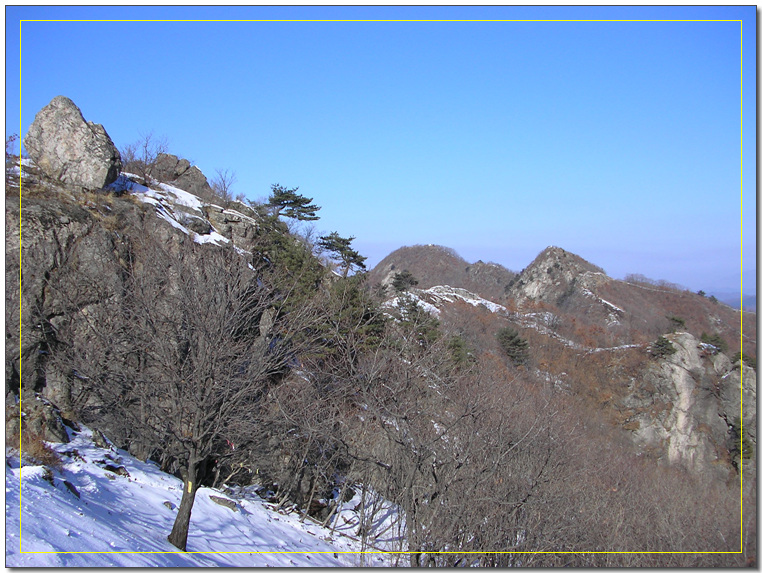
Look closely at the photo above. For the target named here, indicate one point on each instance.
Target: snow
(397, 303)
(124, 520)
(546, 318)
(444, 294)
(164, 199)
(182, 197)
(594, 296)
(448, 293)
(611, 305)
(612, 348)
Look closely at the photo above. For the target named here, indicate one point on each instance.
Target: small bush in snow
(36, 451)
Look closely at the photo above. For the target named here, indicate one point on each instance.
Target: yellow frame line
(397, 552)
(378, 552)
(381, 20)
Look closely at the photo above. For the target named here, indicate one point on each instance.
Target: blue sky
(628, 143)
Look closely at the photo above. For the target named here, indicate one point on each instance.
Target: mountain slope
(591, 337)
(434, 265)
(117, 510)
(559, 392)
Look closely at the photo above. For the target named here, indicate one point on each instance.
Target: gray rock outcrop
(71, 150)
(557, 275)
(35, 416)
(686, 403)
(180, 173)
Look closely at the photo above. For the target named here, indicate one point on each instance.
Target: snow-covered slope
(107, 518)
(173, 205)
(432, 298)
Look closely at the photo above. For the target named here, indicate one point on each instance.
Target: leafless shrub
(140, 157)
(222, 182)
(35, 449)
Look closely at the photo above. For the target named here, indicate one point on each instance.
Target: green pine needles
(289, 203)
(662, 348)
(513, 345)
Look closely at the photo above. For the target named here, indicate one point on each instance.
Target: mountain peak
(435, 265)
(554, 273)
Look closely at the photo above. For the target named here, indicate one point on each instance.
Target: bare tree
(222, 182)
(140, 157)
(184, 365)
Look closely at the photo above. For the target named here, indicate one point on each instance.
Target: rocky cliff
(589, 335)
(686, 405)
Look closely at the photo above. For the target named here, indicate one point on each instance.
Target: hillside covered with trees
(552, 417)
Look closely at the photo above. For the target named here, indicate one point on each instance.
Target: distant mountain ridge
(612, 311)
(435, 265)
(594, 337)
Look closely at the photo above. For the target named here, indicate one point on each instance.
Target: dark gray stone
(181, 174)
(229, 503)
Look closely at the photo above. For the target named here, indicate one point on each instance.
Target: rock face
(40, 418)
(555, 276)
(69, 149)
(70, 261)
(181, 174)
(686, 404)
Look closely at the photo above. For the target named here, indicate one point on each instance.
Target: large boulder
(70, 149)
(181, 174)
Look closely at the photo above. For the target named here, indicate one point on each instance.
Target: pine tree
(662, 347)
(513, 345)
(289, 203)
(403, 281)
(342, 252)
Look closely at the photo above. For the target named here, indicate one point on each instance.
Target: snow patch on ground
(401, 302)
(124, 520)
(432, 298)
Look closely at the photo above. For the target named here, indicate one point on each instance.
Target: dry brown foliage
(35, 449)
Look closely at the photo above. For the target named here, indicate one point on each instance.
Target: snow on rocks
(179, 208)
(403, 301)
(450, 294)
(123, 520)
(432, 298)
(614, 311)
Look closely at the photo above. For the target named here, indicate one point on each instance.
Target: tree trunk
(312, 496)
(179, 535)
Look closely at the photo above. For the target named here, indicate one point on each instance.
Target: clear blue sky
(619, 141)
